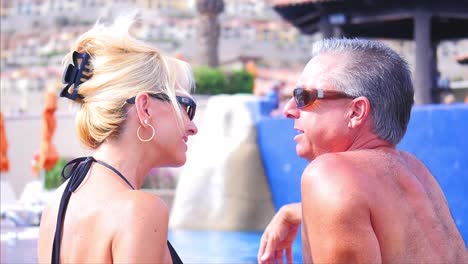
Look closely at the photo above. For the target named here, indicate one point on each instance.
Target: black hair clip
(75, 75)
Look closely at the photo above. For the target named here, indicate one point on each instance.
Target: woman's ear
(142, 106)
(359, 111)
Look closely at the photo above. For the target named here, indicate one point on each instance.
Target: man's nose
(290, 109)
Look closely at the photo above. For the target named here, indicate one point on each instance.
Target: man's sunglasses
(305, 96)
(187, 102)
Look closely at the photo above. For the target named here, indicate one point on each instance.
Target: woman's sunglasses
(307, 96)
(187, 102)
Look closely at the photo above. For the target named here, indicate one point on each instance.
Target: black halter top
(76, 175)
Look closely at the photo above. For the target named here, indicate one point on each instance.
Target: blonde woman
(136, 114)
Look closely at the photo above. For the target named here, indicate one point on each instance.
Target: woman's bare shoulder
(139, 218)
(137, 203)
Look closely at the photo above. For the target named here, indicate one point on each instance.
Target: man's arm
(336, 216)
(280, 234)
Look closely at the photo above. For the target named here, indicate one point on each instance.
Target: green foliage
(53, 178)
(209, 80)
(212, 81)
(240, 81)
(53, 54)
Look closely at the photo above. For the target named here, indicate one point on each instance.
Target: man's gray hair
(373, 70)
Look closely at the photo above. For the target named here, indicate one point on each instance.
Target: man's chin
(303, 154)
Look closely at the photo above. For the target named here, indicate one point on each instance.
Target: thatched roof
(462, 59)
(377, 18)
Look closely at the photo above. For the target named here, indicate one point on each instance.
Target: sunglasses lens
(302, 97)
(191, 112)
(189, 104)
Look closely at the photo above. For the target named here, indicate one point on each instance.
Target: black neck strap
(116, 172)
(77, 173)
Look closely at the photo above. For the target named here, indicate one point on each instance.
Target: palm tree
(208, 30)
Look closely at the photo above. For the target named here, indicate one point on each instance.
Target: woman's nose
(192, 128)
(290, 109)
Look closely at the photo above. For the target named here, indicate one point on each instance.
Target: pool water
(19, 245)
(220, 246)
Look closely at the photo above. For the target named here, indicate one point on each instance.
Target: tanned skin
(363, 201)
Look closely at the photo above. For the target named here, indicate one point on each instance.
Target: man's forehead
(311, 73)
(317, 69)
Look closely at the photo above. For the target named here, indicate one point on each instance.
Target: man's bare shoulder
(336, 211)
(363, 160)
(331, 175)
(336, 167)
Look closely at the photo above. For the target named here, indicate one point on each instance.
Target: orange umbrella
(180, 56)
(48, 155)
(4, 163)
(251, 68)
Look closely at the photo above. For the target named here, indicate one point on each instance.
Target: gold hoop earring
(152, 135)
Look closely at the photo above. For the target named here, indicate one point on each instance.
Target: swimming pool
(221, 246)
(19, 245)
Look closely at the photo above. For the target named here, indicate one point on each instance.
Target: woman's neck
(130, 162)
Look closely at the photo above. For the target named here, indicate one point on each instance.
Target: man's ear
(359, 111)
(142, 106)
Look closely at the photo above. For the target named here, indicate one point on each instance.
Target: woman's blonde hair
(122, 66)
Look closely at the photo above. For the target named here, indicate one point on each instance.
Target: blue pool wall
(437, 134)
